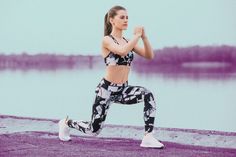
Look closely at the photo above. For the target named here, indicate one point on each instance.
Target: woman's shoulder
(107, 37)
(106, 40)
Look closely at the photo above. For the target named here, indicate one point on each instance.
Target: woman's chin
(124, 28)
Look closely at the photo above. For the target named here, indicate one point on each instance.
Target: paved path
(43, 144)
(35, 137)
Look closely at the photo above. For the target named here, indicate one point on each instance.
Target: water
(207, 104)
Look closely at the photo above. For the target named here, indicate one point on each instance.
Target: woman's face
(120, 20)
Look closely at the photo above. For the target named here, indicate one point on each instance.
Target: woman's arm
(122, 50)
(118, 49)
(146, 51)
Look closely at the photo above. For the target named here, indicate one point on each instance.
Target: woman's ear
(111, 21)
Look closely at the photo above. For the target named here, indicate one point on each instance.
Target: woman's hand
(138, 31)
(143, 34)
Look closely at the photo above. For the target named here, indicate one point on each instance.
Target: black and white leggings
(107, 93)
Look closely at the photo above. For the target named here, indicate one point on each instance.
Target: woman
(113, 88)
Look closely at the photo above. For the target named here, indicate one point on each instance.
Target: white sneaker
(64, 130)
(149, 141)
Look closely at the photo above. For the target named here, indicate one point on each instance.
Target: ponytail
(107, 25)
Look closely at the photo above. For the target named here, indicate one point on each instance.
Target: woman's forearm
(147, 48)
(130, 45)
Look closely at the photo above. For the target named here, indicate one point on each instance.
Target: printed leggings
(108, 92)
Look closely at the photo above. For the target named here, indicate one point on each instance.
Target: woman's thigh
(132, 95)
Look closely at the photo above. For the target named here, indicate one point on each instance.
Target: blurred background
(50, 62)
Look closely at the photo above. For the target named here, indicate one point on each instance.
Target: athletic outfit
(108, 92)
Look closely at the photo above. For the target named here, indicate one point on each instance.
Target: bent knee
(95, 133)
(149, 95)
(150, 99)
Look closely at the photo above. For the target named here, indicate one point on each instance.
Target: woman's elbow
(151, 56)
(123, 52)
(120, 52)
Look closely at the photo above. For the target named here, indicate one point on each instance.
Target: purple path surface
(35, 137)
(35, 144)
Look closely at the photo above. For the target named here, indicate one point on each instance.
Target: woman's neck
(117, 33)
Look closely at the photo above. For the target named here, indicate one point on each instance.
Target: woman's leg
(136, 94)
(99, 112)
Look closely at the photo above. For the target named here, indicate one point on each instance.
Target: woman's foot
(149, 141)
(64, 130)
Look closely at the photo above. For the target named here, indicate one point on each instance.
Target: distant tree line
(170, 62)
(177, 55)
(46, 61)
(167, 57)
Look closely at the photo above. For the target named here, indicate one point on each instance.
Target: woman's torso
(116, 73)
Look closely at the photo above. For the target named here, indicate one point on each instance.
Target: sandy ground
(35, 142)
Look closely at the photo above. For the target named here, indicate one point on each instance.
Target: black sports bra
(115, 59)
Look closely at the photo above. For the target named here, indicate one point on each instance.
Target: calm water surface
(182, 103)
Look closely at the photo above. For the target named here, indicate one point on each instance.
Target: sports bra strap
(125, 39)
(114, 39)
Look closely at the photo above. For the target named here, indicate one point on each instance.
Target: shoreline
(207, 138)
(37, 137)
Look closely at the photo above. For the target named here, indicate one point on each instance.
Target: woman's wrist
(144, 37)
(137, 35)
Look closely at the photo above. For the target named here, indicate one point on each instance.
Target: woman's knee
(96, 131)
(97, 122)
(148, 97)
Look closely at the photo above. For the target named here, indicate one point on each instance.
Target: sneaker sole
(148, 146)
(65, 139)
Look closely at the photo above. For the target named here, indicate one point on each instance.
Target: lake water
(208, 104)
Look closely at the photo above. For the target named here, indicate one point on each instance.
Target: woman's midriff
(117, 73)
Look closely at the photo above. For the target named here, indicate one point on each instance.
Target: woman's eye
(123, 17)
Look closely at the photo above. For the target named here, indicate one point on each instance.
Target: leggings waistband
(108, 83)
